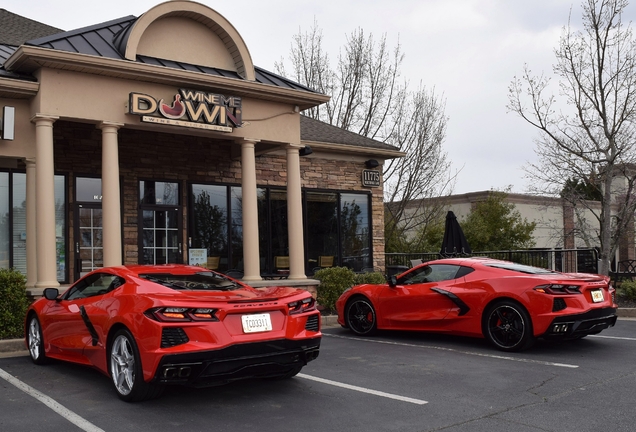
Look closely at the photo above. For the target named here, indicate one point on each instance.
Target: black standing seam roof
(109, 40)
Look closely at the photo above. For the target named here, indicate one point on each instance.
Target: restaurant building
(154, 139)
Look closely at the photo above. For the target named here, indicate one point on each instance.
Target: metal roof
(108, 40)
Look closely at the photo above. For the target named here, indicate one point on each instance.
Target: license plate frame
(256, 323)
(597, 295)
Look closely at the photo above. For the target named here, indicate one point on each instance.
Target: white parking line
(613, 337)
(363, 390)
(61, 410)
(499, 357)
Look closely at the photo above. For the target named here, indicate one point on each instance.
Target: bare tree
(369, 98)
(593, 142)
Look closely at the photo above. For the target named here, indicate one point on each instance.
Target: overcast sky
(469, 50)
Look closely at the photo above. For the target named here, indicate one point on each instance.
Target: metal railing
(564, 260)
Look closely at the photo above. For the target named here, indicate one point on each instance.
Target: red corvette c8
(509, 304)
(148, 326)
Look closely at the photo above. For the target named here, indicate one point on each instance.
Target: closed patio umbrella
(454, 242)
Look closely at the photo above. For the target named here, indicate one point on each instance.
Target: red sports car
(509, 304)
(147, 326)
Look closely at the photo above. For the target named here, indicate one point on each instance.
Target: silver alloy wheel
(122, 365)
(35, 338)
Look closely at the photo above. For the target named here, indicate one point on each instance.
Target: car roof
(137, 269)
(469, 261)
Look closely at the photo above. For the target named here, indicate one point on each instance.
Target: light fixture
(305, 151)
(371, 163)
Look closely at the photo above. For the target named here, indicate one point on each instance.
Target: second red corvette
(509, 304)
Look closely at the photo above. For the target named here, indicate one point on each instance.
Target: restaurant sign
(189, 108)
(370, 178)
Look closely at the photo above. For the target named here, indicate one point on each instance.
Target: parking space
(394, 381)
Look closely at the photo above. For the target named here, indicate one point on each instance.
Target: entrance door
(159, 234)
(160, 223)
(89, 253)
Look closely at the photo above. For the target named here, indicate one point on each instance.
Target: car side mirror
(51, 293)
(392, 280)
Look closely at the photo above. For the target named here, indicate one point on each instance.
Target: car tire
(507, 325)
(360, 316)
(35, 341)
(124, 365)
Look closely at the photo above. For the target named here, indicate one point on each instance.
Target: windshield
(203, 281)
(520, 268)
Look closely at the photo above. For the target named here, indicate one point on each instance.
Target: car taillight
(177, 314)
(558, 289)
(301, 306)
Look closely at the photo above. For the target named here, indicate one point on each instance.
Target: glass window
(337, 228)
(355, 231)
(19, 222)
(60, 226)
(321, 239)
(279, 233)
(88, 189)
(210, 225)
(4, 221)
(160, 193)
(431, 273)
(236, 203)
(93, 285)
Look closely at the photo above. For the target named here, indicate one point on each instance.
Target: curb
(15, 345)
(12, 345)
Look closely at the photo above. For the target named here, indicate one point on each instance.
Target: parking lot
(394, 381)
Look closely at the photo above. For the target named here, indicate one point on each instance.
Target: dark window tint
(430, 273)
(206, 281)
(95, 284)
(463, 271)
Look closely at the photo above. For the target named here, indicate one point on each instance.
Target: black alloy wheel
(507, 325)
(360, 316)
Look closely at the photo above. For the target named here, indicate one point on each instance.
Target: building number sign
(370, 178)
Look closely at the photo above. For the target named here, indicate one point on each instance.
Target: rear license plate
(256, 323)
(597, 295)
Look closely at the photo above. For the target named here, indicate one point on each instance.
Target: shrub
(374, 278)
(333, 282)
(628, 290)
(13, 303)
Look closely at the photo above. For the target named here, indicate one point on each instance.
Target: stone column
(45, 202)
(295, 215)
(31, 245)
(251, 253)
(111, 200)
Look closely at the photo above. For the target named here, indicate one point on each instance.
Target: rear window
(203, 281)
(520, 268)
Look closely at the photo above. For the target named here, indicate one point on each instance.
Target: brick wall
(183, 159)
